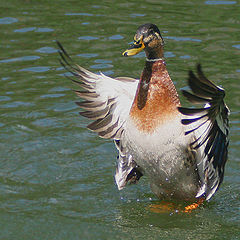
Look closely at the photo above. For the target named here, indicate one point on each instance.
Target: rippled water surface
(56, 178)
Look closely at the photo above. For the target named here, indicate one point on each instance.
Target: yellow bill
(135, 48)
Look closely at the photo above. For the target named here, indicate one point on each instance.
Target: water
(56, 178)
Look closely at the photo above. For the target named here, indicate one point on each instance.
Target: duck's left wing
(107, 101)
(210, 128)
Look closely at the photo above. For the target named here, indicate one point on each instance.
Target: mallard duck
(182, 151)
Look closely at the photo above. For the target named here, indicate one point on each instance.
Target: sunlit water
(56, 177)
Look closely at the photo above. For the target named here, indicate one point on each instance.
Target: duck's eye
(137, 40)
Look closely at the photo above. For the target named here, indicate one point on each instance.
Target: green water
(56, 178)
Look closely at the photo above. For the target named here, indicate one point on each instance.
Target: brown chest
(156, 100)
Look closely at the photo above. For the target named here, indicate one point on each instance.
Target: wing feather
(193, 98)
(210, 127)
(106, 101)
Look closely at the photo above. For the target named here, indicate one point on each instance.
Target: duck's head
(149, 39)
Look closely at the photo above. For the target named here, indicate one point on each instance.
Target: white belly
(164, 158)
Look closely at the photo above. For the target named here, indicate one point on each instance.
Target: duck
(181, 150)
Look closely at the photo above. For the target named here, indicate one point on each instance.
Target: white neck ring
(154, 60)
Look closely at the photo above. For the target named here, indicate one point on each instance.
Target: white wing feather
(107, 100)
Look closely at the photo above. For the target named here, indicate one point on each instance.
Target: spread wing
(209, 125)
(107, 101)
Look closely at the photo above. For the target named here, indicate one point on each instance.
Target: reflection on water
(184, 39)
(24, 58)
(29, 29)
(220, 2)
(46, 50)
(8, 20)
(56, 177)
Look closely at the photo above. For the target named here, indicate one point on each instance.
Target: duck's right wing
(107, 101)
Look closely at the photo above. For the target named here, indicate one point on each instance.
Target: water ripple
(35, 69)
(4, 98)
(24, 114)
(8, 20)
(169, 54)
(5, 78)
(68, 151)
(88, 55)
(116, 37)
(236, 46)
(30, 29)
(24, 128)
(47, 122)
(220, 2)
(54, 95)
(88, 38)
(59, 89)
(64, 107)
(101, 66)
(23, 30)
(185, 57)
(78, 14)
(46, 50)
(44, 30)
(184, 39)
(17, 104)
(24, 58)
(102, 61)
(137, 15)
(108, 73)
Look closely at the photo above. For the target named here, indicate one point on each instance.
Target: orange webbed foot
(167, 207)
(193, 206)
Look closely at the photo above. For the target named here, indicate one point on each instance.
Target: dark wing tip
(62, 51)
(199, 68)
(191, 111)
(214, 120)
